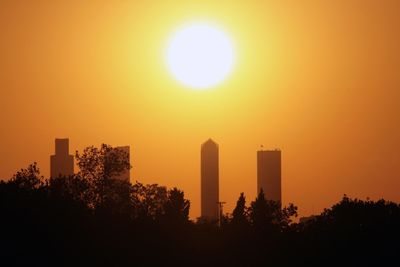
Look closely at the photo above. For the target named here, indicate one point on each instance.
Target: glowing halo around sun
(200, 55)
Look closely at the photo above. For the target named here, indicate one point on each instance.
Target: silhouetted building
(269, 174)
(209, 181)
(125, 175)
(61, 163)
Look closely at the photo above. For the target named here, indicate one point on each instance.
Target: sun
(200, 55)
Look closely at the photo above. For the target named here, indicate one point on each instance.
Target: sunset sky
(318, 79)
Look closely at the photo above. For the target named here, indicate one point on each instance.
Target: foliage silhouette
(176, 208)
(239, 214)
(267, 215)
(29, 178)
(94, 219)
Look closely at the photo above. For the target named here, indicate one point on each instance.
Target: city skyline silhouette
(150, 218)
(323, 90)
(268, 173)
(200, 126)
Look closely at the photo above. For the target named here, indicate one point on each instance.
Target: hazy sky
(318, 79)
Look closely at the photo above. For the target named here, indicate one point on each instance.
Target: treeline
(93, 219)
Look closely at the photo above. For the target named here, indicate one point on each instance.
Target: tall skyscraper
(209, 180)
(269, 174)
(61, 163)
(125, 175)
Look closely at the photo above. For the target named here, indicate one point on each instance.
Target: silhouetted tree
(361, 232)
(287, 213)
(149, 225)
(73, 187)
(239, 214)
(100, 166)
(101, 163)
(148, 200)
(176, 208)
(29, 178)
(262, 213)
(267, 215)
(354, 215)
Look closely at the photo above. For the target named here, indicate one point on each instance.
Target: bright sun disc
(200, 56)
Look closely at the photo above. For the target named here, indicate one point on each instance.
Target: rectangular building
(269, 174)
(61, 163)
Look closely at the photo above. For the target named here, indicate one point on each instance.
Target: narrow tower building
(209, 180)
(61, 163)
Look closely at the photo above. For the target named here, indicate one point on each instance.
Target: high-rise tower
(61, 163)
(269, 174)
(209, 180)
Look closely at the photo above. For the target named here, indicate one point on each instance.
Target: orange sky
(318, 79)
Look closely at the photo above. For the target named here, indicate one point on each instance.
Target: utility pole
(220, 213)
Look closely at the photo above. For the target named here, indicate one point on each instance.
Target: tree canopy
(92, 218)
